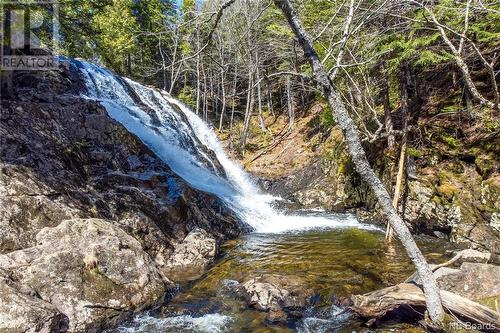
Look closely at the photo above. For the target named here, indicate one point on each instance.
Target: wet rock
(89, 270)
(191, 257)
(63, 158)
(462, 205)
(68, 158)
(277, 295)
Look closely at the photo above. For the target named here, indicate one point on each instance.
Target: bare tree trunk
(233, 106)
(198, 81)
(289, 100)
(223, 83)
(405, 77)
(269, 98)
(248, 111)
(205, 98)
(259, 101)
(223, 100)
(460, 62)
(343, 40)
(357, 153)
(387, 110)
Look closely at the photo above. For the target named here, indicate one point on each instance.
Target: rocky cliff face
(454, 192)
(89, 216)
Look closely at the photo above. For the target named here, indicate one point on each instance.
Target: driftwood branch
(381, 302)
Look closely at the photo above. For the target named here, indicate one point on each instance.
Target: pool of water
(336, 263)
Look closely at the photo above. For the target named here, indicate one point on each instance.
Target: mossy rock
(447, 190)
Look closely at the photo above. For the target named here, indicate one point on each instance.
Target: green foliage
(326, 117)
(450, 108)
(188, 96)
(428, 57)
(449, 140)
(118, 27)
(413, 152)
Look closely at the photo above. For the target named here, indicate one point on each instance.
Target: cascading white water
(191, 149)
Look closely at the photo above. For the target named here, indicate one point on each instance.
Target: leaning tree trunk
(357, 153)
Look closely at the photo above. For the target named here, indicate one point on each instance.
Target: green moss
(447, 190)
(492, 302)
(449, 140)
(437, 200)
(326, 117)
(413, 152)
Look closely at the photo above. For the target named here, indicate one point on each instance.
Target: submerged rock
(86, 270)
(281, 296)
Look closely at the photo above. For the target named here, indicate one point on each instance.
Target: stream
(336, 263)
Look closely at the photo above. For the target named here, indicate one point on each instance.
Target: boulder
(281, 296)
(89, 270)
(475, 256)
(473, 281)
(20, 312)
(191, 256)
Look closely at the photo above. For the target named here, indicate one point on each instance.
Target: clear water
(335, 263)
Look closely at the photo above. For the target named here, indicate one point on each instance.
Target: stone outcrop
(64, 159)
(191, 257)
(473, 281)
(25, 312)
(88, 269)
(451, 194)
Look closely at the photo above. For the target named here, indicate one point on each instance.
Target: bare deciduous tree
(357, 153)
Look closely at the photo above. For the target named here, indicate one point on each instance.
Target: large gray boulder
(22, 312)
(87, 270)
(473, 280)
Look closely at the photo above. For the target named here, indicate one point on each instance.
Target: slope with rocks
(90, 218)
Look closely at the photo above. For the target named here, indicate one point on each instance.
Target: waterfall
(191, 149)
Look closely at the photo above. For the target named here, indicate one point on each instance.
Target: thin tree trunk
(460, 63)
(289, 99)
(269, 97)
(405, 77)
(248, 111)
(205, 98)
(357, 153)
(399, 180)
(259, 101)
(198, 81)
(223, 100)
(343, 40)
(387, 110)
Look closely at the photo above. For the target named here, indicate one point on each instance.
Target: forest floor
(280, 150)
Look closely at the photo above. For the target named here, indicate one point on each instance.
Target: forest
(256, 166)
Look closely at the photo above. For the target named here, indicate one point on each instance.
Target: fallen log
(379, 303)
